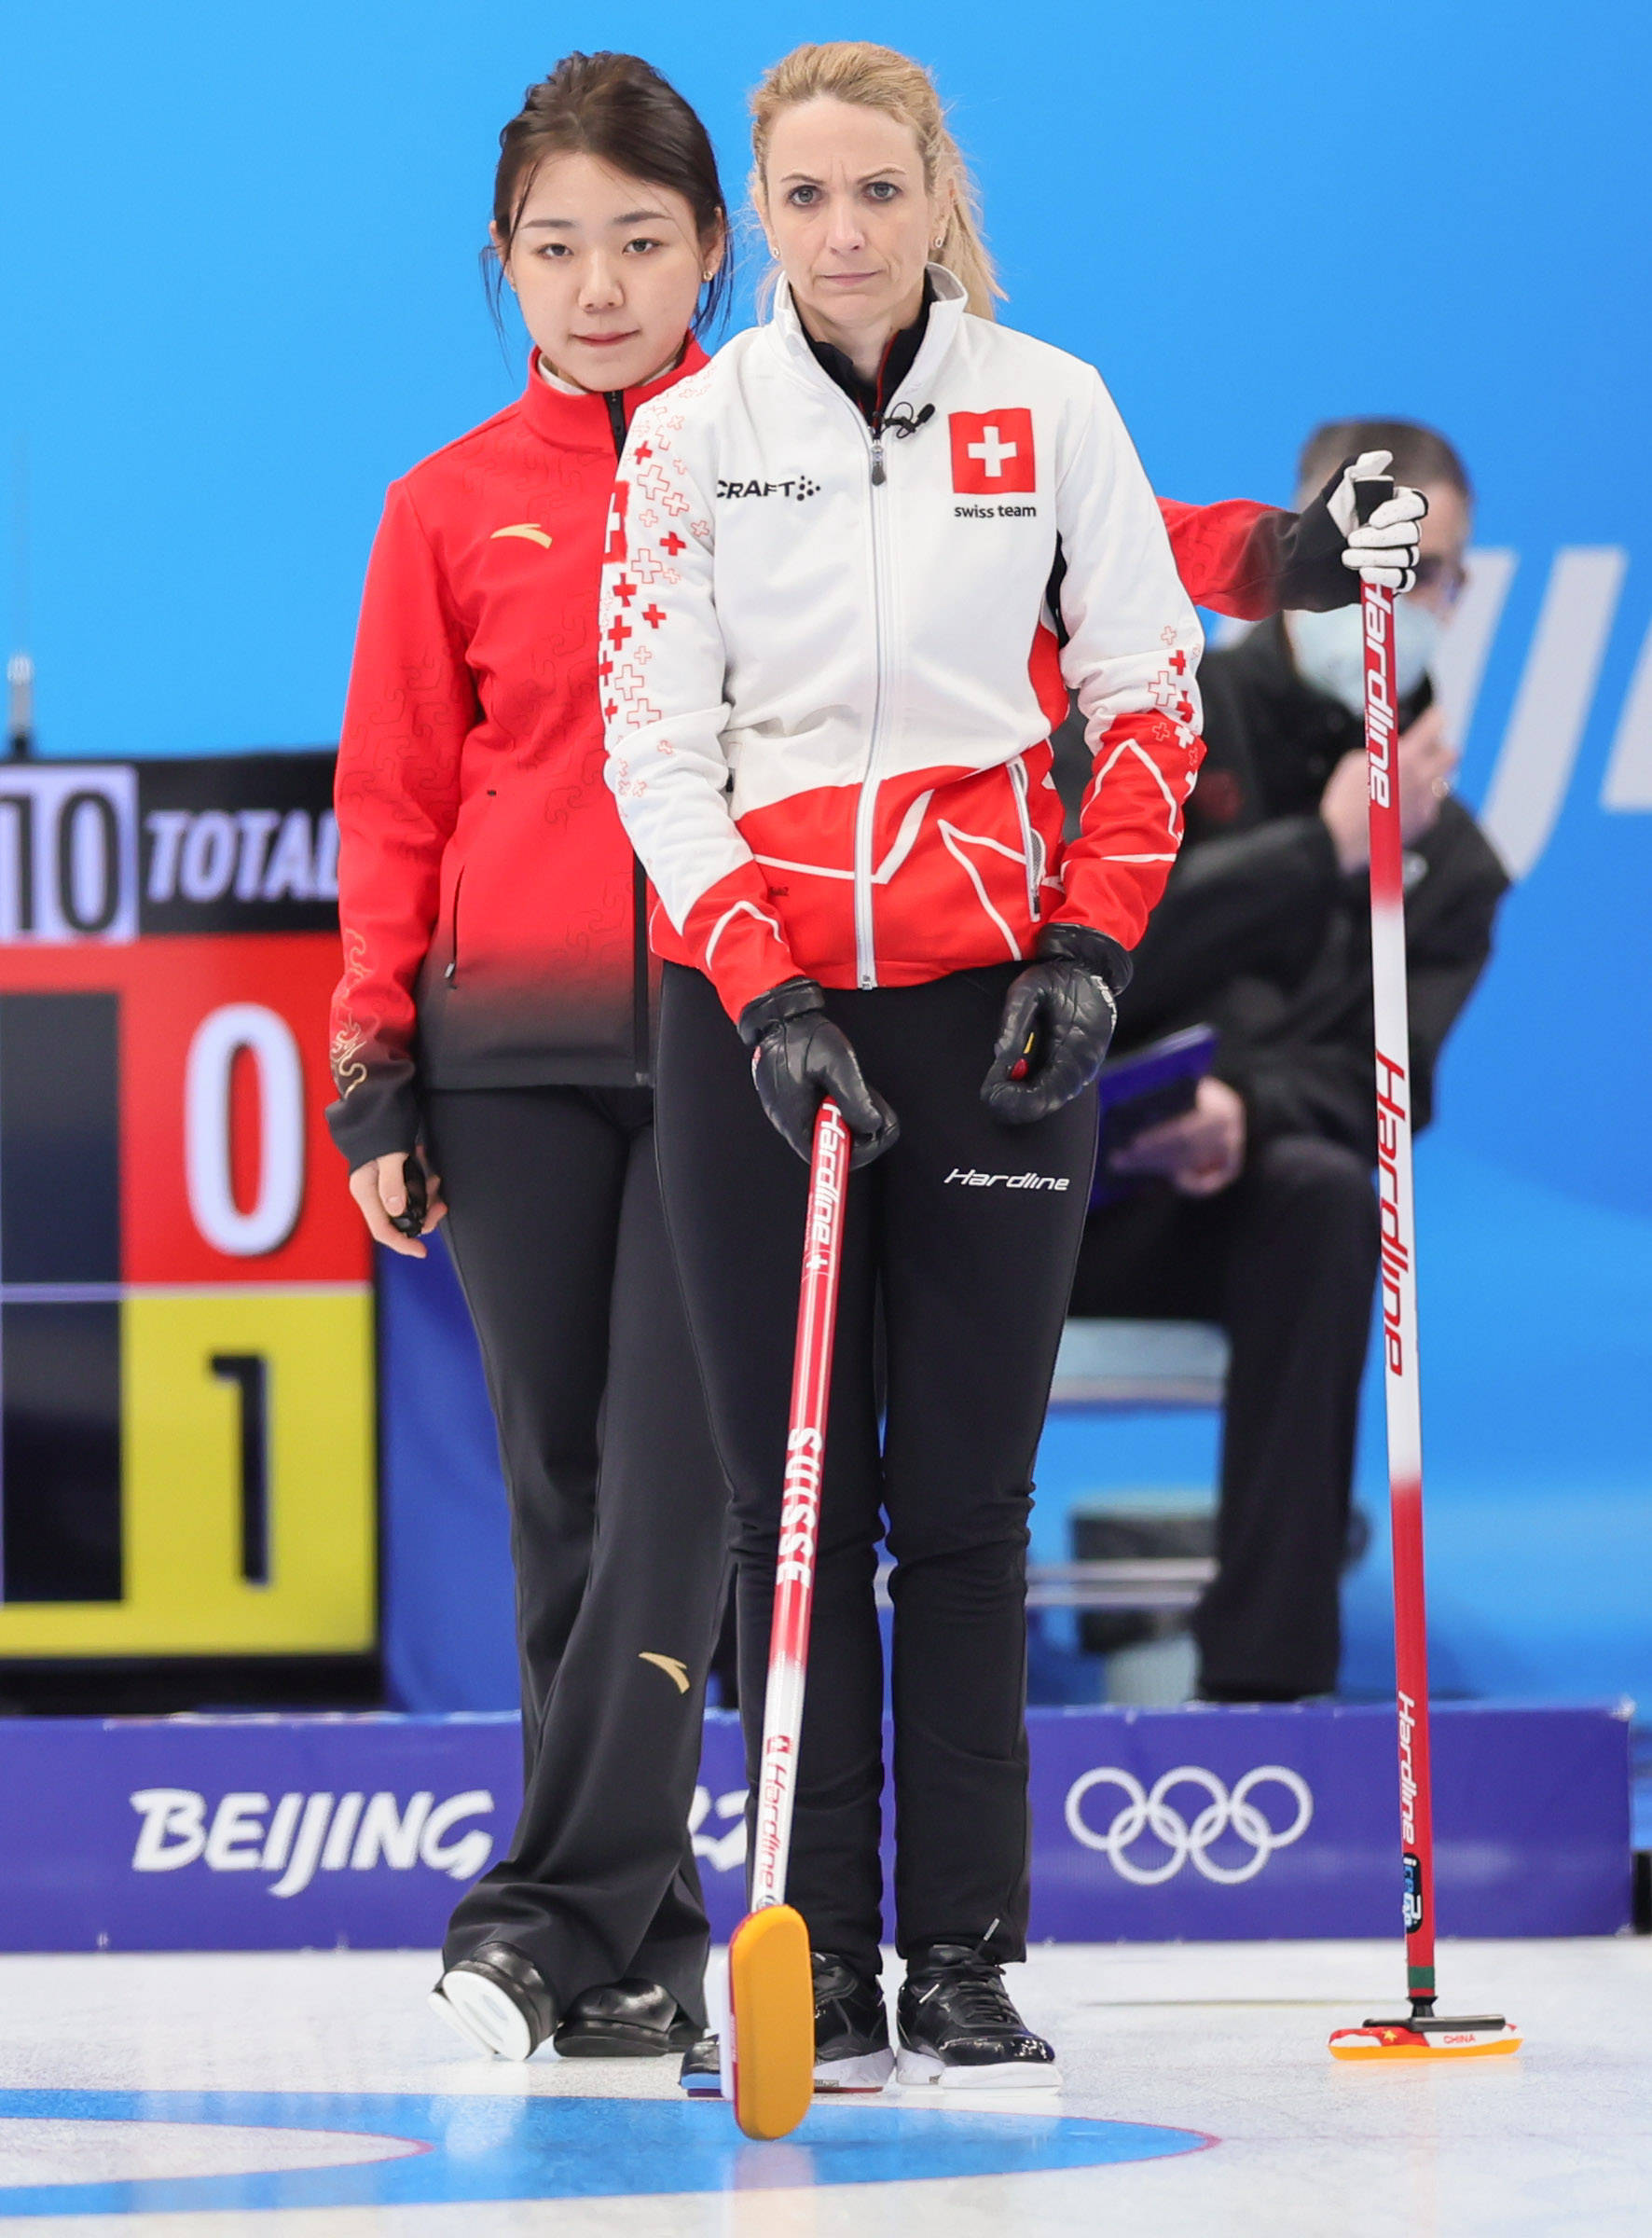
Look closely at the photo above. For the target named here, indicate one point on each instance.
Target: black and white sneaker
(958, 2028)
(852, 2050)
(497, 2000)
(851, 2028)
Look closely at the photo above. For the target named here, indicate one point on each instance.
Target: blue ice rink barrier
(1203, 1824)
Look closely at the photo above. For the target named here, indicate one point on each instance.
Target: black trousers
(1286, 1258)
(972, 1275)
(618, 1528)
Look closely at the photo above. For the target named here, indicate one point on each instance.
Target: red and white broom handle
(799, 1507)
(1399, 1286)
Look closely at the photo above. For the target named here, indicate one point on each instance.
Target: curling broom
(771, 1985)
(1422, 2034)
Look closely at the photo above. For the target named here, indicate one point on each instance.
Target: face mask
(1329, 650)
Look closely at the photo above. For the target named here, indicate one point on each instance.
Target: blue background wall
(240, 293)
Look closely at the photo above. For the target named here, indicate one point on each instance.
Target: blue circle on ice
(484, 2147)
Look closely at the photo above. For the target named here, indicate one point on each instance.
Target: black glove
(799, 1058)
(1058, 1019)
(1334, 540)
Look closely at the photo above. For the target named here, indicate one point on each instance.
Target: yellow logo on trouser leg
(676, 1672)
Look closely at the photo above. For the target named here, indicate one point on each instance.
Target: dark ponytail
(619, 109)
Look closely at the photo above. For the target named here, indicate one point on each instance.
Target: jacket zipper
(451, 974)
(1032, 847)
(866, 807)
(615, 401)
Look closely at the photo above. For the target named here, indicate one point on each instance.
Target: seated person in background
(1256, 1210)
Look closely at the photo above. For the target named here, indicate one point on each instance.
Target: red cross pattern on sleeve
(1170, 693)
(992, 453)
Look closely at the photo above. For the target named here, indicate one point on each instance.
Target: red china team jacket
(492, 912)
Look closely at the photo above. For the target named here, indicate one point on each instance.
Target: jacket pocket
(1032, 844)
(451, 973)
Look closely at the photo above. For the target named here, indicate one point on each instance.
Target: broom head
(772, 2010)
(1479, 2036)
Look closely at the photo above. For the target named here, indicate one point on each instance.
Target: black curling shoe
(958, 2028)
(701, 2072)
(625, 2020)
(497, 2000)
(851, 2028)
(851, 2037)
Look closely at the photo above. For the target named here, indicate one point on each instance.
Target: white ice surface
(57, 2151)
(1229, 2039)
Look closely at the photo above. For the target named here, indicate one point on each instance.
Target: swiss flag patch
(992, 453)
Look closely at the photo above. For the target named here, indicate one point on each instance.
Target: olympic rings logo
(1145, 1812)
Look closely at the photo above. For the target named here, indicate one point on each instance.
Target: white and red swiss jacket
(830, 672)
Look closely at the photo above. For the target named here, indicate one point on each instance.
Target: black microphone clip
(910, 423)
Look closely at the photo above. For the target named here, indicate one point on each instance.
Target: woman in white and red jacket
(496, 1003)
(829, 672)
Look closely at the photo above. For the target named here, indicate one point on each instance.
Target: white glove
(1382, 550)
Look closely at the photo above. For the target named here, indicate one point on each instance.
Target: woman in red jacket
(496, 1007)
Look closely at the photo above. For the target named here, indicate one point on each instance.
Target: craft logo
(992, 453)
(304, 1834)
(798, 487)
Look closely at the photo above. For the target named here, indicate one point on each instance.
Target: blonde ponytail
(876, 77)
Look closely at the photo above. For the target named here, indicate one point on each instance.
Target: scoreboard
(186, 1370)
